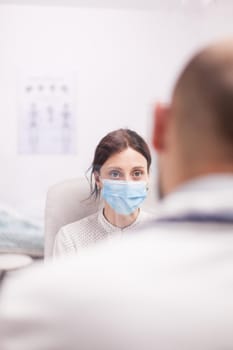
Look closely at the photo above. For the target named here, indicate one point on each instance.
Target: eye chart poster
(47, 116)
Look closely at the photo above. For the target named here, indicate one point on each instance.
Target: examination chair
(68, 202)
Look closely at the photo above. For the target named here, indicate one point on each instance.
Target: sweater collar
(110, 228)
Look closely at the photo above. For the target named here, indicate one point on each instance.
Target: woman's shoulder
(80, 233)
(81, 224)
(76, 235)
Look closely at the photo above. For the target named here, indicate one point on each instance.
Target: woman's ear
(161, 118)
(97, 180)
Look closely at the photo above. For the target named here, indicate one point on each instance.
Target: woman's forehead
(126, 158)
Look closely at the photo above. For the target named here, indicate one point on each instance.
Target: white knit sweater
(72, 237)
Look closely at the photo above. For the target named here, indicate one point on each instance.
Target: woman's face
(128, 165)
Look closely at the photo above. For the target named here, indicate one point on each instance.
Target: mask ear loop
(99, 189)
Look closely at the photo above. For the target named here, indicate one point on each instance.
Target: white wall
(123, 61)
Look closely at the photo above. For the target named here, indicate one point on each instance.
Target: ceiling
(169, 5)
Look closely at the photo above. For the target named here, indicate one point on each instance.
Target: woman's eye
(115, 174)
(137, 173)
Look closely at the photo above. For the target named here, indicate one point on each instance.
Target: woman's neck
(118, 220)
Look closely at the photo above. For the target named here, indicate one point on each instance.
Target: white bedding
(19, 234)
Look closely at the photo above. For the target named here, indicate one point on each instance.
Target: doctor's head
(193, 136)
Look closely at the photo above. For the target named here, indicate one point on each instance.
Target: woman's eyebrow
(114, 168)
(118, 168)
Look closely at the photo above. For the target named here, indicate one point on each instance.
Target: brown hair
(115, 142)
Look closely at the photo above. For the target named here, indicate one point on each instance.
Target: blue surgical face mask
(124, 197)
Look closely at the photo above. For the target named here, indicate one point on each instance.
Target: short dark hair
(204, 96)
(113, 143)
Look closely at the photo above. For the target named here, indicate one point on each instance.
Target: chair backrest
(68, 202)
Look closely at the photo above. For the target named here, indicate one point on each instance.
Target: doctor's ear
(161, 120)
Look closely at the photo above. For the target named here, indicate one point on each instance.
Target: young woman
(119, 175)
